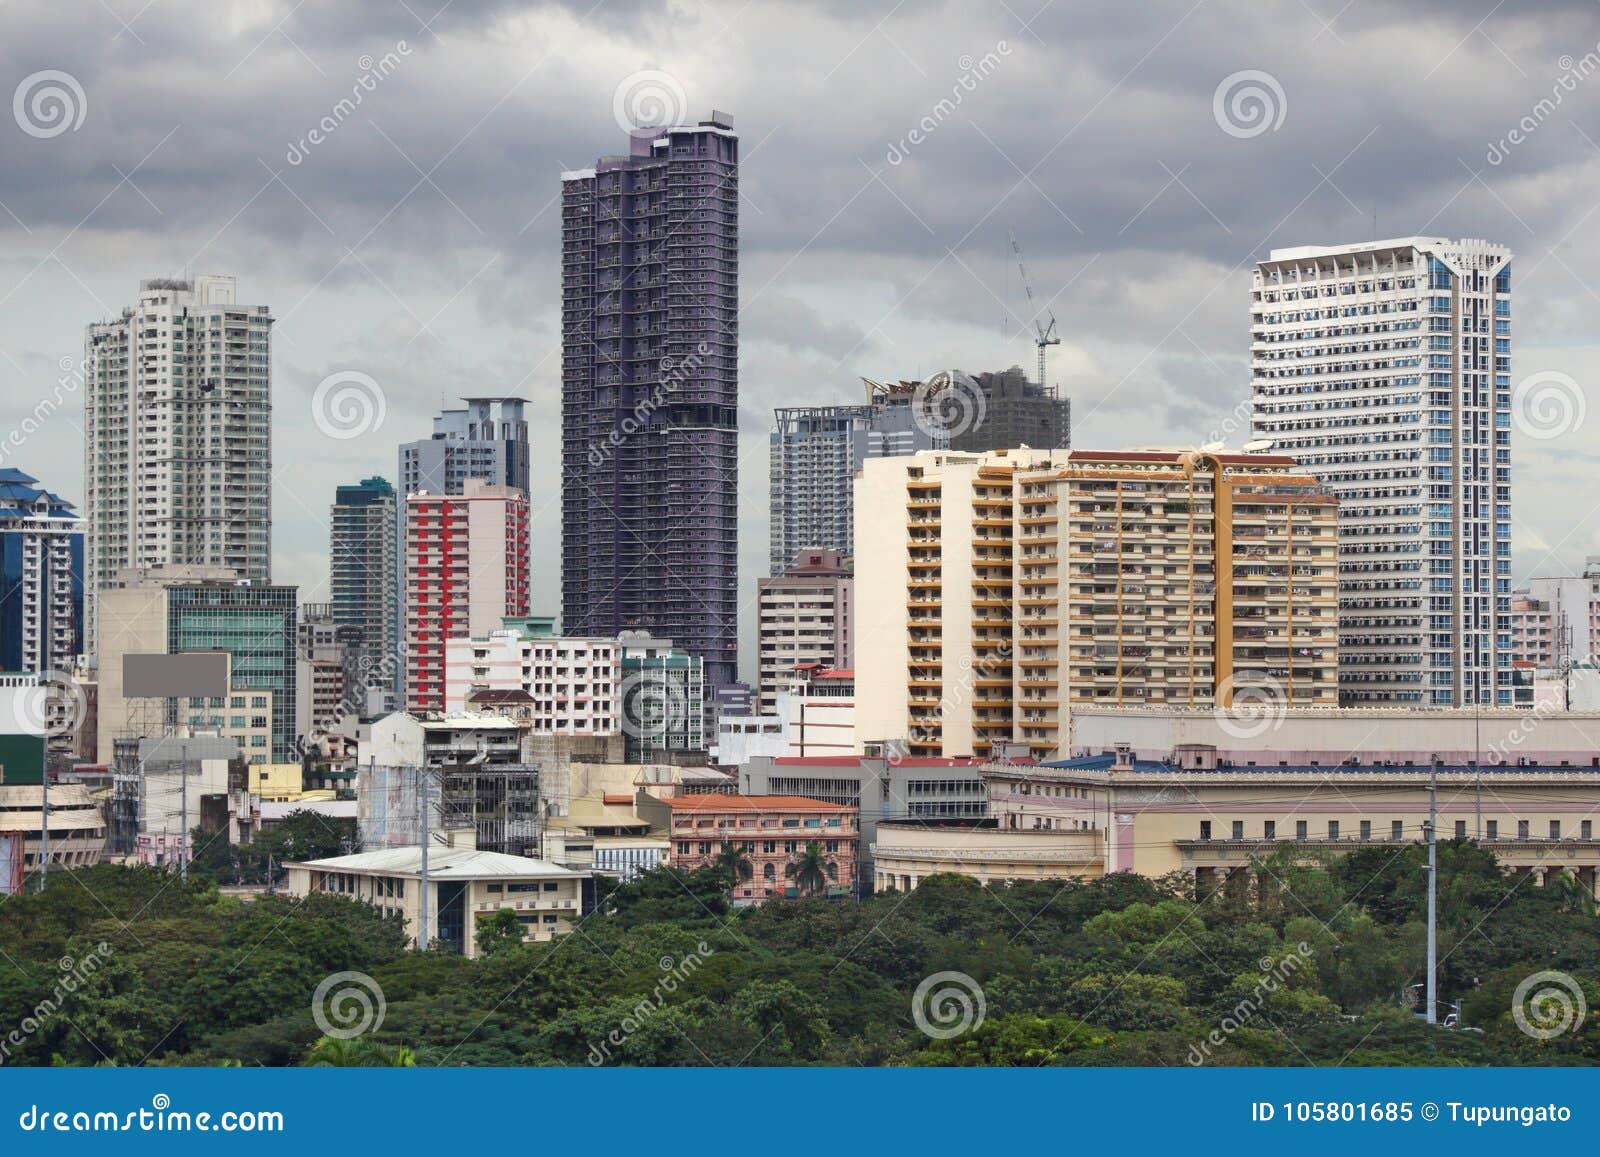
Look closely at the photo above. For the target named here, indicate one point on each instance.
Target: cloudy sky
(417, 241)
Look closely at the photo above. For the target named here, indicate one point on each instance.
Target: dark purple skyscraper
(650, 392)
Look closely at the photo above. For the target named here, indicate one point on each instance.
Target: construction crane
(1046, 332)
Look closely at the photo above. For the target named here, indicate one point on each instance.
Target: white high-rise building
(177, 436)
(1384, 368)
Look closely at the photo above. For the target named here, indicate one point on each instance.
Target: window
(1397, 829)
(1205, 829)
(496, 888)
(1522, 829)
(1238, 830)
(1586, 829)
(1491, 828)
(1461, 829)
(1333, 829)
(1269, 829)
(552, 886)
(1366, 829)
(1299, 829)
(1555, 829)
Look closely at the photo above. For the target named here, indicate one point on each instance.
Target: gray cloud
(419, 241)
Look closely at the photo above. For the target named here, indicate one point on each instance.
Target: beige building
(1112, 813)
(465, 888)
(806, 620)
(77, 825)
(997, 591)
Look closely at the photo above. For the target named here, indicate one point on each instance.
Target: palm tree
(811, 869)
(359, 1052)
(1575, 896)
(733, 861)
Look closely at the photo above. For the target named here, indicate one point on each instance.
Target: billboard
(192, 675)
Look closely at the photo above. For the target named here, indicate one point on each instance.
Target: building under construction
(497, 803)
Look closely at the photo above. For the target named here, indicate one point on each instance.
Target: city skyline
(854, 265)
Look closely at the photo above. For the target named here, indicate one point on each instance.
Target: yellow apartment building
(997, 590)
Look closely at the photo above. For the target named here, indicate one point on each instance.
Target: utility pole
(183, 811)
(422, 899)
(1433, 890)
(44, 827)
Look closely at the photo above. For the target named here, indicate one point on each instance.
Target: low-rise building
(77, 825)
(880, 788)
(465, 888)
(774, 831)
(1098, 814)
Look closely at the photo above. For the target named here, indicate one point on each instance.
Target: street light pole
(1433, 889)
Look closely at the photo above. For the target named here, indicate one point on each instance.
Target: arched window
(768, 872)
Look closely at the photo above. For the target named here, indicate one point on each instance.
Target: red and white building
(466, 566)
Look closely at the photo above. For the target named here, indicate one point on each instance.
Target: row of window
(1397, 830)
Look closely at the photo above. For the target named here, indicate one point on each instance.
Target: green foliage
(1317, 961)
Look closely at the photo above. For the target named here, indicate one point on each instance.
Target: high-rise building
(364, 574)
(663, 699)
(486, 440)
(1016, 412)
(255, 623)
(330, 673)
(1384, 369)
(995, 592)
(177, 435)
(814, 454)
(807, 620)
(466, 568)
(1572, 605)
(168, 610)
(650, 392)
(41, 578)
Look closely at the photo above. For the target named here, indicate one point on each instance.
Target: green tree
(812, 869)
(733, 861)
(499, 932)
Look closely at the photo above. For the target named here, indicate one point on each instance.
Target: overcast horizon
(1143, 157)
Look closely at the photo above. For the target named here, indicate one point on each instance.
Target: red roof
(752, 803)
(616, 797)
(837, 673)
